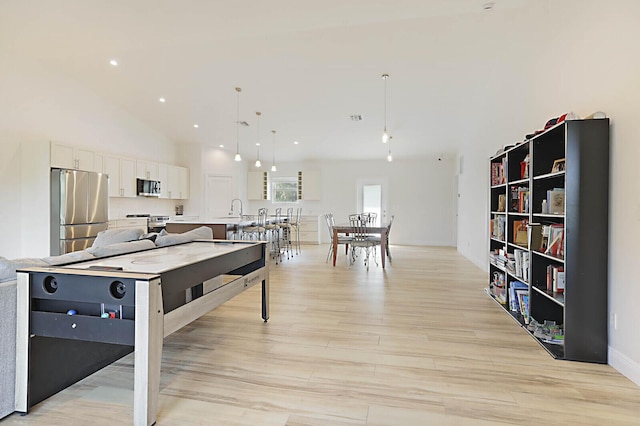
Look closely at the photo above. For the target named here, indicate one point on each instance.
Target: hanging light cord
(238, 121)
(385, 77)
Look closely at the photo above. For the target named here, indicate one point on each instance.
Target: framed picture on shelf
(558, 165)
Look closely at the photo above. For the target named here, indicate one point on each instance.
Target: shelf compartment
(551, 295)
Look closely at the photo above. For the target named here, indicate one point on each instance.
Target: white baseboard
(626, 366)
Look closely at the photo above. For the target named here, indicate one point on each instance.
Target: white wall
(580, 60)
(38, 106)
(419, 191)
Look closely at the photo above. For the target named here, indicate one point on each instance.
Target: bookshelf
(548, 238)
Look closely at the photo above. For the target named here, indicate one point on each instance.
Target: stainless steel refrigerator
(79, 209)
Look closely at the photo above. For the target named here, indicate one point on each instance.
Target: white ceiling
(307, 66)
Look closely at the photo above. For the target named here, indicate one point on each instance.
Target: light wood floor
(417, 344)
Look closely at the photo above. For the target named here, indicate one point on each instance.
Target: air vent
(356, 117)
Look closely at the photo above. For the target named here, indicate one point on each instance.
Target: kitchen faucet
(236, 199)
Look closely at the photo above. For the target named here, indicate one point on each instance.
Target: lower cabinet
(134, 223)
(310, 230)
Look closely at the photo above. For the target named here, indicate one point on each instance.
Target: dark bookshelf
(570, 161)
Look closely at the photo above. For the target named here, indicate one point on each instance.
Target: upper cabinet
(174, 182)
(70, 157)
(122, 179)
(258, 186)
(123, 171)
(309, 185)
(147, 170)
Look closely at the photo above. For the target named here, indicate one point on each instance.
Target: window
(285, 190)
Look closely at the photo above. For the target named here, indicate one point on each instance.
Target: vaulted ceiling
(307, 66)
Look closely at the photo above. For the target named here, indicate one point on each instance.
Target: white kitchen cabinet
(132, 223)
(122, 176)
(258, 186)
(183, 183)
(99, 163)
(174, 182)
(309, 229)
(146, 170)
(70, 157)
(163, 177)
(309, 185)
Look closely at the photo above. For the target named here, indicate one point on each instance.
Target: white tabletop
(164, 259)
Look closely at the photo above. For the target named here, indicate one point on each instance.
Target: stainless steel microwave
(148, 188)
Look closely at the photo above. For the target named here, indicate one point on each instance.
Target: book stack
(520, 199)
(519, 299)
(497, 173)
(497, 288)
(548, 332)
(496, 227)
(521, 264)
(514, 287)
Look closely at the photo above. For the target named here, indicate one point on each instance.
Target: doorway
(372, 198)
(219, 195)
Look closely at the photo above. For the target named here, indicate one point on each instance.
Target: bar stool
(274, 231)
(257, 231)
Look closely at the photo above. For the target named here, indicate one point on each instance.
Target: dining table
(346, 228)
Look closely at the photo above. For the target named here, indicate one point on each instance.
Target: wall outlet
(615, 321)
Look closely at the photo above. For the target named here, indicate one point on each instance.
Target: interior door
(219, 195)
(372, 197)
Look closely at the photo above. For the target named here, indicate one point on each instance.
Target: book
(558, 279)
(556, 240)
(502, 201)
(535, 236)
(555, 201)
(520, 236)
(514, 286)
(523, 301)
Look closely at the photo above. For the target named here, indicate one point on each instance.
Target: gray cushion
(121, 248)
(117, 235)
(8, 267)
(75, 256)
(201, 233)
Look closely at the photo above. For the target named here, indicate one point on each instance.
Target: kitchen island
(222, 227)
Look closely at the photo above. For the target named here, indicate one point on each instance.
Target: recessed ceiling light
(196, 126)
(113, 62)
(221, 146)
(488, 6)
(295, 142)
(163, 100)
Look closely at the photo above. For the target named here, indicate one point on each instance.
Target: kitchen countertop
(228, 220)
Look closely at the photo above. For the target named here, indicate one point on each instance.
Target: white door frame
(208, 195)
(384, 184)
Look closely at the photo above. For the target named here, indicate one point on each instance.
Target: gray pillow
(117, 235)
(200, 233)
(121, 248)
(72, 257)
(8, 267)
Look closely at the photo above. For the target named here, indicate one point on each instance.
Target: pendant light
(273, 167)
(389, 156)
(237, 157)
(258, 163)
(385, 134)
